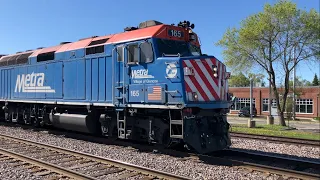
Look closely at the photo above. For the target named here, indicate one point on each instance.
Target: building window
(304, 106)
(243, 102)
(265, 104)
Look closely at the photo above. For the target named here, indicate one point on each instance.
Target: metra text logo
(140, 74)
(31, 83)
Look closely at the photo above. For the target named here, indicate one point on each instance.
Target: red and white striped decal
(203, 82)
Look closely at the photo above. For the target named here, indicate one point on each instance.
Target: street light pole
(251, 100)
(251, 123)
(294, 86)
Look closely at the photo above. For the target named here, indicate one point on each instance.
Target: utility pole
(318, 96)
(251, 123)
(294, 86)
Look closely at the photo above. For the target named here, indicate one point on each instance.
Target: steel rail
(103, 160)
(209, 159)
(259, 167)
(278, 139)
(46, 165)
(279, 171)
(222, 158)
(271, 169)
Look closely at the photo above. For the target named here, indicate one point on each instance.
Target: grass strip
(274, 130)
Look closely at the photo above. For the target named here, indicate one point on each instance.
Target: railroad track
(277, 139)
(250, 161)
(271, 164)
(58, 163)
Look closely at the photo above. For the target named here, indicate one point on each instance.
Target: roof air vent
(29, 50)
(149, 24)
(40, 47)
(88, 38)
(18, 52)
(64, 43)
(130, 28)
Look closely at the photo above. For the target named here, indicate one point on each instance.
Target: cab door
(119, 76)
(137, 71)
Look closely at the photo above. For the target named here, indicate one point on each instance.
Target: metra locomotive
(149, 83)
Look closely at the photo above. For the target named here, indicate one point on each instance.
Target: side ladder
(121, 123)
(122, 91)
(176, 126)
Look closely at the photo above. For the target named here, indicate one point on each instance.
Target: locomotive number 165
(134, 93)
(175, 33)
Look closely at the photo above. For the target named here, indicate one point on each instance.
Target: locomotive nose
(205, 79)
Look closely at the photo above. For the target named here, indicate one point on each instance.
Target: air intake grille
(14, 60)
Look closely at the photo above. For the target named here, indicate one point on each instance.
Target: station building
(307, 100)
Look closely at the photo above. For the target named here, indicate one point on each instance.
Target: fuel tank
(75, 122)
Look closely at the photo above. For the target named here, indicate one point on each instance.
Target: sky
(31, 24)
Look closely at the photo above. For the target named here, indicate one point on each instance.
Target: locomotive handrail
(176, 91)
(113, 78)
(170, 55)
(171, 77)
(175, 62)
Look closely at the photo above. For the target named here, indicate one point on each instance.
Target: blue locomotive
(148, 83)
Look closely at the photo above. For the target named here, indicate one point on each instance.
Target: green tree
(239, 80)
(257, 78)
(279, 36)
(315, 81)
(300, 82)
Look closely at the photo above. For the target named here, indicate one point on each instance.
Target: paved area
(300, 125)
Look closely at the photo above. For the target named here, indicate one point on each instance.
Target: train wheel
(35, 122)
(104, 130)
(7, 117)
(2, 115)
(166, 140)
(26, 117)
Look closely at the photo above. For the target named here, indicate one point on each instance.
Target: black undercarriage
(201, 130)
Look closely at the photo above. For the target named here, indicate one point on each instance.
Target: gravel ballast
(280, 149)
(12, 173)
(176, 165)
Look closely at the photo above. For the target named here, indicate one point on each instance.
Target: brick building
(307, 100)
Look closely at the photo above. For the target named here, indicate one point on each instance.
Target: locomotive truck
(149, 83)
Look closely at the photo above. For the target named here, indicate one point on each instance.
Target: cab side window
(133, 53)
(146, 52)
(120, 53)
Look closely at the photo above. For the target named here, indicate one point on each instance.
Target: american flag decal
(155, 94)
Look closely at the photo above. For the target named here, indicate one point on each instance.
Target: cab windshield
(176, 48)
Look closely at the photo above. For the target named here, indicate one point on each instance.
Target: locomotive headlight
(215, 71)
(195, 96)
(214, 68)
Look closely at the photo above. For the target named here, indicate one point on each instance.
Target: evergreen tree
(315, 81)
